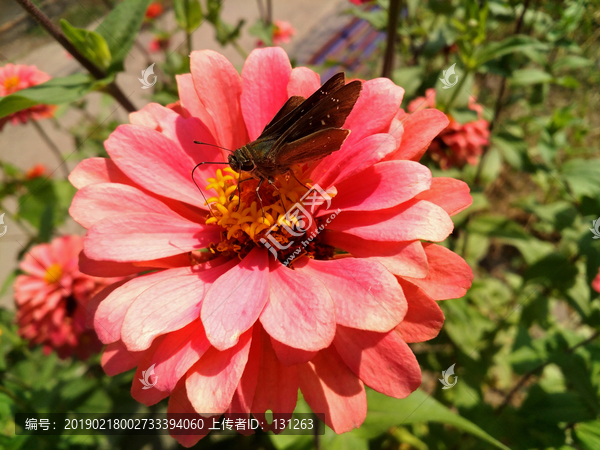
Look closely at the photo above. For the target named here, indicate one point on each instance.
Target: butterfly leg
(259, 198)
(272, 183)
(239, 193)
(299, 182)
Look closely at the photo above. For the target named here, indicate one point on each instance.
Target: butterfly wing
(285, 121)
(273, 126)
(312, 147)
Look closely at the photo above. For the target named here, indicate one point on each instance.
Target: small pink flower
(596, 282)
(13, 78)
(52, 298)
(360, 2)
(458, 144)
(158, 44)
(228, 328)
(283, 32)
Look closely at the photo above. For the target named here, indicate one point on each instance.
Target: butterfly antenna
(212, 145)
(200, 190)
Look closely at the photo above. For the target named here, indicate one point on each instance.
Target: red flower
(596, 282)
(214, 322)
(39, 170)
(13, 78)
(52, 298)
(458, 144)
(154, 10)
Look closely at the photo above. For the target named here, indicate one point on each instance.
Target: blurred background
(517, 363)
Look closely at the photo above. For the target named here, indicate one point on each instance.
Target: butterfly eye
(247, 166)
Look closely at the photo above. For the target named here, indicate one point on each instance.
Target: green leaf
(188, 14)
(53, 92)
(509, 45)
(463, 115)
(386, 412)
(263, 32)
(525, 77)
(89, 43)
(571, 62)
(588, 434)
(583, 176)
(120, 28)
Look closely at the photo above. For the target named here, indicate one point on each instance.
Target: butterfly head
(239, 162)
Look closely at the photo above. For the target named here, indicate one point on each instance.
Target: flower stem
(243, 53)
(456, 91)
(316, 440)
(112, 89)
(392, 31)
(52, 147)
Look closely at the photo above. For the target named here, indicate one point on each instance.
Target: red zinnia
(13, 78)
(216, 321)
(52, 298)
(459, 143)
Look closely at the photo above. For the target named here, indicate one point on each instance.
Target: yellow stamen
(11, 82)
(53, 273)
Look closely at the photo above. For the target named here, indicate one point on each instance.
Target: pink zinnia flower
(458, 144)
(214, 322)
(360, 2)
(282, 33)
(13, 78)
(52, 298)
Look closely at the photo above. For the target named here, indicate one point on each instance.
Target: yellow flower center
(238, 209)
(11, 82)
(53, 273)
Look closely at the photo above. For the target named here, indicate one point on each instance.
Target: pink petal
(377, 105)
(191, 102)
(219, 86)
(330, 388)
(168, 306)
(236, 299)
(150, 116)
(396, 130)
(399, 258)
(96, 202)
(290, 356)
(383, 361)
(145, 236)
(384, 185)
(244, 394)
(177, 353)
(278, 386)
(265, 78)
(117, 359)
(365, 294)
(300, 312)
(97, 170)
(109, 316)
(303, 81)
(98, 298)
(147, 396)
(415, 219)
(213, 380)
(449, 193)
(419, 130)
(108, 268)
(180, 404)
(352, 159)
(424, 319)
(449, 275)
(163, 167)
